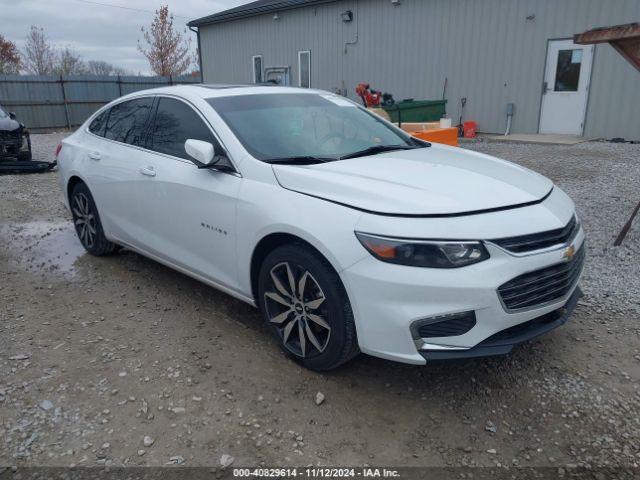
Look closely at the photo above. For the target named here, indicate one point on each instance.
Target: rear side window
(127, 121)
(97, 125)
(175, 123)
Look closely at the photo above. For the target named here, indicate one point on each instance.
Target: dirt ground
(98, 353)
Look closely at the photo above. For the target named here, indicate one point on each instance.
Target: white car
(348, 234)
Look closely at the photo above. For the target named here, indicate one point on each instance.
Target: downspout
(510, 110)
(355, 40)
(197, 32)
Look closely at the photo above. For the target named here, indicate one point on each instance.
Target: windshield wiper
(299, 160)
(378, 149)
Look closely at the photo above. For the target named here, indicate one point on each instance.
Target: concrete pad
(549, 138)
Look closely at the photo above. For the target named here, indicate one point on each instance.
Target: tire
(87, 222)
(321, 314)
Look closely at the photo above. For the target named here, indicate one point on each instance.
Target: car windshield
(3, 113)
(280, 126)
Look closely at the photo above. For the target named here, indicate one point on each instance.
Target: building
(491, 52)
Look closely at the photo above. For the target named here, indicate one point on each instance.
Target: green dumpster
(409, 111)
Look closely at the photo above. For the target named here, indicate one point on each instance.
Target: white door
(566, 87)
(115, 163)
(192, 211)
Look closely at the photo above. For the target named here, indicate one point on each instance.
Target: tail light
(58, 148)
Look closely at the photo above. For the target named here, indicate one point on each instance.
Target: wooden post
(66, 105)
(119, 86)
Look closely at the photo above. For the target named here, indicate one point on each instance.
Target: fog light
(450, 325)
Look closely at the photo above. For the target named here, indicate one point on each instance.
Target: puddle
(51, 248)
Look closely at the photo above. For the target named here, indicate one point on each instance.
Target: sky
(101, 29)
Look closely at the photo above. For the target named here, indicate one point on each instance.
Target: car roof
(213, 90)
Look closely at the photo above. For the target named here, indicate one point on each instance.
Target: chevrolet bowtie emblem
(569, 253)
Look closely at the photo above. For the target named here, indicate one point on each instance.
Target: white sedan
(347, 233)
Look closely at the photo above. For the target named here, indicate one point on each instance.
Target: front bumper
(503, 342)
(388, 300)
(12, 144)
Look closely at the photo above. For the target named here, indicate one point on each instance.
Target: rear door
(193, 210)
(115, 172)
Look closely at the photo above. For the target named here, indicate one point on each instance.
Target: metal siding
(38, 100)
(487, 49)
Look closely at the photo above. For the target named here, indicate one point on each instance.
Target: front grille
(538, 241)
(542, 286)
(449, 326)
(11, 136)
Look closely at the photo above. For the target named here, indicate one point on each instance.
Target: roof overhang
(624, 38)
(253, 9)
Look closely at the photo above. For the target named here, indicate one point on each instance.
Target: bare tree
(69, 62)
(39, 56)
(100, 67)
(167, 50)
(10, 60)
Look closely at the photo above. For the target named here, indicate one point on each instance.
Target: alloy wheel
(297, 308)
(84, 220)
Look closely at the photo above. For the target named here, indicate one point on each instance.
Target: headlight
(424, 253)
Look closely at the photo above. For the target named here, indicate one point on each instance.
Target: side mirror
(204, 156)
(200, 151)
(12, 115)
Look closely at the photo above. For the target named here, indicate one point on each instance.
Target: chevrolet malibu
(348, 234)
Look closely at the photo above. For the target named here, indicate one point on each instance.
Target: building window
(304, 69)
(257, 68)
(568, 70)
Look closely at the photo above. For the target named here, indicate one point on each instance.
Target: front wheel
(87, 222)
(306, 307)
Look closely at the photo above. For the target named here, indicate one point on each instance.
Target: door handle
(94, 156)
(149, 171)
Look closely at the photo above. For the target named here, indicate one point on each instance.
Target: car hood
(429, 181)
(8, 124)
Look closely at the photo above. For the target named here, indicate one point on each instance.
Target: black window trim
(151, 121)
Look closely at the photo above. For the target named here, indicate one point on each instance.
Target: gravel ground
(603, 179)
(121, 361)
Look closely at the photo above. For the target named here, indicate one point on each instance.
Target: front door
(192, 210)
(566, 87)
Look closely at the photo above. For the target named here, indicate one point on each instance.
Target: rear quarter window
(98, 124)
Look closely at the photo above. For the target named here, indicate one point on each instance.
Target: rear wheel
(87, 222)
(306, 307)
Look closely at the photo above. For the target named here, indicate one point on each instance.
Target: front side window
(257, 69)
(99, 123)
(284, 125)
(127, 121)
(174, 124)
(304, 69)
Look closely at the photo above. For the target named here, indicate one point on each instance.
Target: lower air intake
(446, 326)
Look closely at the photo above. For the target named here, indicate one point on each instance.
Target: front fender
(265, 209)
